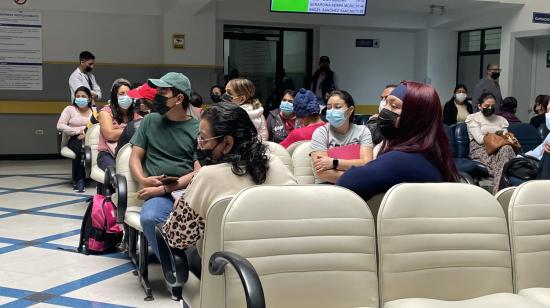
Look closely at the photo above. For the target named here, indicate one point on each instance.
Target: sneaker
(80, 186)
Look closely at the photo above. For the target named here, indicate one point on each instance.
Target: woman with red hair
(415, 147)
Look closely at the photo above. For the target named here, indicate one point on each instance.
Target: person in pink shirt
(307, 111)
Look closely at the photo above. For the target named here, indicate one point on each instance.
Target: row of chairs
(432, 245)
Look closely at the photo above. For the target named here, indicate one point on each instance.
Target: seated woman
(73, 122)
(415, 147)
(230, 150)
(341, 144)
(282, 120)
(307, 112)
(508, 110)
(112, 121)
(479, 125)
(458, 107)
(243, 93)
(541, 106)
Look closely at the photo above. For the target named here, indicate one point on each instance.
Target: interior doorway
(274, 59)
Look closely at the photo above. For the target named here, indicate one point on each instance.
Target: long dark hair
(85, 90)
(248, 155)
(421, 129)
(115, 108)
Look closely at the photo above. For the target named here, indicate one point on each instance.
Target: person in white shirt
(83, 77)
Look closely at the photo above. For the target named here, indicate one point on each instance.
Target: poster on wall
(20, 50)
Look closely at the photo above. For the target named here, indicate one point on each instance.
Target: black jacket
(450, 111)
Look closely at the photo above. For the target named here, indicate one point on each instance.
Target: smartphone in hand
(168, 179)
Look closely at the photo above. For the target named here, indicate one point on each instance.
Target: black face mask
(227, 98)
(205, 157)
(88, 69)
(216, 98)
(386, 123)
(495, 75)
(159, 104)
(488, 111)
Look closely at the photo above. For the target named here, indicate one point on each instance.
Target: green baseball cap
(172, 80)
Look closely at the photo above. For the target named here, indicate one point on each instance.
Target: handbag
(494, 141)
(519, 170)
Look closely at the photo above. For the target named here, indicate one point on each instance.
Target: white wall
(365, 71)
(541, 84)
(442, 61)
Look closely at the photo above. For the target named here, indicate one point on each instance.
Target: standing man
(489, 84)
(83, 76)
(323, 80)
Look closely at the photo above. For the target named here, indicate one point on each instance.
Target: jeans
(105, 160)
(79, 173)
(153, 212)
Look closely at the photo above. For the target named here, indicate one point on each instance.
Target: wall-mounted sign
(369, 43)
(21, 50)
(178, 40)
(541, 18)
(548, 59)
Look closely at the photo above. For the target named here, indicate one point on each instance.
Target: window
(476, 49)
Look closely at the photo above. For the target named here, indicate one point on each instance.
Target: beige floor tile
(26, 200)
(71, 209)
(68, 241)
(21, 182)
(31, 227)
(5, 300)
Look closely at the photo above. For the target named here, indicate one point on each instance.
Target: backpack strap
(84, 228)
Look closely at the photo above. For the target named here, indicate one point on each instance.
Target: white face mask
(461, 97)
(382, 105)
(548, 120)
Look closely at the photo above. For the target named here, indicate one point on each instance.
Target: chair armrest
(122, 189)
(108, 180)
(87, 161)
(252, 285)
(466, 178)
(173, 261)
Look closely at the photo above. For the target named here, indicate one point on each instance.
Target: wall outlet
(39, 132)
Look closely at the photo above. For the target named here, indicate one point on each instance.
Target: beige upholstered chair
(503, 197)
(444, 245)
(303, 171)
(90, 153)
(278, 150)
(293, 147)
(64, 150)
(311, 246)
(529, 217)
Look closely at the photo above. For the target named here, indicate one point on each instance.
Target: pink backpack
(99, 232)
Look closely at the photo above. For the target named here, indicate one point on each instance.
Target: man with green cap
(165, 144)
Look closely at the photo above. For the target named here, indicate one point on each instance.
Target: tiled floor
(40, 215)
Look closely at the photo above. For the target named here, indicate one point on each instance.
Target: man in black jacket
(323, 80)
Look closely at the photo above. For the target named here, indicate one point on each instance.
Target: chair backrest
(462, 140)
(312, 246)
(123, 167)
(278, 150)
(527, 135)
(451, 135)
(503, 197)
(293, 147)
(529, 214)
(64, 150)
(361, 119)
(92, 140)
(303, 170)
(446, 241)
(64, 140)
(212, 242)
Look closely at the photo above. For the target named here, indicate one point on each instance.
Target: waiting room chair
(529, 214)
(128, 213)
(310, 246)
(463, 162)
(444, 245)
(361, 119)
(543, 131)
(503, 197)
(303, 170)
(527, 135)
(90, 157)
(278, 150)
(64, 149)
(291, 148)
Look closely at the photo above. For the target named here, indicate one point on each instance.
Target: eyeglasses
(202, 142)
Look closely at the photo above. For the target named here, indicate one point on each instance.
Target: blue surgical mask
(287, 108)
(125, 102)
(81, 101)
(336, 117)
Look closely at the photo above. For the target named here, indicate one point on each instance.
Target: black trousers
(75, 145)
(544, 168)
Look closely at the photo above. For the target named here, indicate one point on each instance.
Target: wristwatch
(335, 163)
